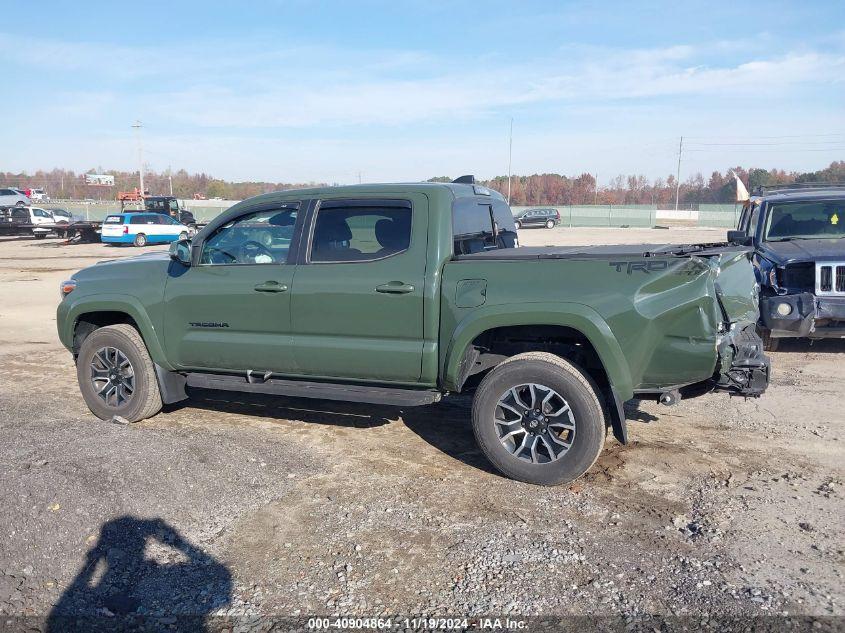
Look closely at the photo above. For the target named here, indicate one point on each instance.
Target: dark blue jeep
(798, 234)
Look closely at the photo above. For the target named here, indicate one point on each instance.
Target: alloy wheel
(112, 376)
(534, 423)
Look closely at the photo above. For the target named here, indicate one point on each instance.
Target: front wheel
(140, 240)
(538, 419)
(550, 224)
(116, 374)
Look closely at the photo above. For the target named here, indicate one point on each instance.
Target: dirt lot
(229, 504)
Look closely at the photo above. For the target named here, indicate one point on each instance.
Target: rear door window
(359, 231)
(113, 219)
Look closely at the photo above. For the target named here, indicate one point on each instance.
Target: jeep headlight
(784, 308)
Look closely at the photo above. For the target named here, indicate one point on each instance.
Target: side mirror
(180, 251)
(740, 238)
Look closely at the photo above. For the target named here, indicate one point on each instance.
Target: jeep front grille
(830, 278)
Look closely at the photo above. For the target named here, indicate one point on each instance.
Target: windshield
(823, 219)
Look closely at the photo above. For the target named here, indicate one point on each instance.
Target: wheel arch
(111, 310)
(541, 327)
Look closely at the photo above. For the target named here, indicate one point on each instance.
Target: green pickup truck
(398, 294)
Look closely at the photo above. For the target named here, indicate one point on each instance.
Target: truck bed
(603, 251)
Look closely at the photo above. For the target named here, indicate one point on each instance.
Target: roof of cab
(458, 190)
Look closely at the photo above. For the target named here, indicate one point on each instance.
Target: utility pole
(510, 160)
(678, 176)
(595, 189)
(137, 125)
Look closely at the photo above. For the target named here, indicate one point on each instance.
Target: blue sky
(301, 91)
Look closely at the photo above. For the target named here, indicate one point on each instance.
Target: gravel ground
(237, 505)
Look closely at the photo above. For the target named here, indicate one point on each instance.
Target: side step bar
(320, 390)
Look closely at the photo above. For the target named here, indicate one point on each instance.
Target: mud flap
(171, 385)
(616, 409)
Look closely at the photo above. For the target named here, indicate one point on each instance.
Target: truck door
(357, 307)
(231, 310)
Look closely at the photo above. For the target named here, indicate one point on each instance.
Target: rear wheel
(116, 375)
(550, 224)
(20, 203)
(538, 419)
(140, 240)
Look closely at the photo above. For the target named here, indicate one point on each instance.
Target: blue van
(141, 229)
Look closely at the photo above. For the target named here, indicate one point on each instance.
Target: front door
(358, 302)
(231, 311)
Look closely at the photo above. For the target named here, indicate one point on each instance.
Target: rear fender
(573, 315)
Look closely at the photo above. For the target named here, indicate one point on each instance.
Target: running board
(319, 390)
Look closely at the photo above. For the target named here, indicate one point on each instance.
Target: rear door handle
(395, 288)
(271, 286)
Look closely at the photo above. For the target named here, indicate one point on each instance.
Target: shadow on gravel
(445, 425)
(803, 345)
(331, 412)
(121, 588)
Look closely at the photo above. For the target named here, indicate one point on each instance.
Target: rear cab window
(482, 223)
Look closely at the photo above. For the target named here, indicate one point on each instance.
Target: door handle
(395, 288)
(271, 286)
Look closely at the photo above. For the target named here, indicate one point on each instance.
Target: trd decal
(207, 324)
(646, 267)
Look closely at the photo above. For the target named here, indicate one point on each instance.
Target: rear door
(231, 310)
(357, 309)
(113, 226)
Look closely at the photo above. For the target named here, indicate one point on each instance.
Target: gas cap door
(471, 293)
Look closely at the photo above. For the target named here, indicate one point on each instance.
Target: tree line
(536, 189)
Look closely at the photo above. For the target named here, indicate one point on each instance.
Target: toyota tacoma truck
(399, 294)
(797, 232)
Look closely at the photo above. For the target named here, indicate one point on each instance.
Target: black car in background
(798, 235)
(549, 218)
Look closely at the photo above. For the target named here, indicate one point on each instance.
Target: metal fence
(604, 215)
(601, 215)
(719, 215)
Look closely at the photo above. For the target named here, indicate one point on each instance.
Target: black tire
(550, 224)
(517, 224)
(140, 240)
(145, 400)
(579, 393)
(769, 344)
(20, 203)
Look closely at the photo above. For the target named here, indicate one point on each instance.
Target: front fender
(573, 315)
(71, 309)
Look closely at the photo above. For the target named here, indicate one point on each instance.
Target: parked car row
(138, 229)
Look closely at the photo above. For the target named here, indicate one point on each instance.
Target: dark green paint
(651, 329)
